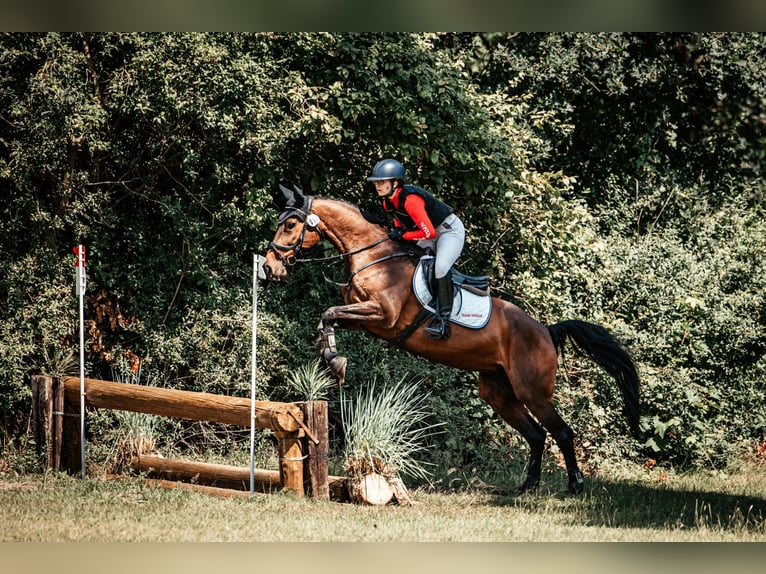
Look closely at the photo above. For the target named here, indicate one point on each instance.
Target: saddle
(471, 306)
(478, 284)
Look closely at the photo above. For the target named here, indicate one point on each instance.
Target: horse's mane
(371, 217)
(368, 216)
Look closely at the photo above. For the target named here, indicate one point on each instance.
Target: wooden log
(209, 490)
(208, 474)
(337, 488)
(42, 417)
(371, 488)
(173, 485)
(224, 475)
(290, 462)
(280, 417)
(315, 466)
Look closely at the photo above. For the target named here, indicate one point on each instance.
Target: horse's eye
(289, 225)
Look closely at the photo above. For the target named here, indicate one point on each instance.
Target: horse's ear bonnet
(295, 200)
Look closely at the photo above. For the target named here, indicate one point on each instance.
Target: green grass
(649, 506)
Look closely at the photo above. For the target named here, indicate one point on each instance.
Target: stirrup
(437, 330)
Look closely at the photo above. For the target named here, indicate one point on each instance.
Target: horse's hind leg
(496, 390)
(564, 437)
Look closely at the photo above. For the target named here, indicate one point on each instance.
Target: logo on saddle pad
(470, 307)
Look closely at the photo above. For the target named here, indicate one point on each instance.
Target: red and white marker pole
(79, 251)
(257, 274)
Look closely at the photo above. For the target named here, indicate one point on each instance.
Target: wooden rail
(221, 475)
(300, 428)
(280, 417)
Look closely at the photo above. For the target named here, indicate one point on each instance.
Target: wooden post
(58, 423)
(42, 417)
(71, 452)
(317, 448)
(290, 461)
(47, 418)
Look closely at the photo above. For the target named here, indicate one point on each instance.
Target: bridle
(296, 247)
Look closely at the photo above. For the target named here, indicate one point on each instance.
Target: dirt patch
(16, 485)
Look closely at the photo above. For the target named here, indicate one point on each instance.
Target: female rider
(418, 216)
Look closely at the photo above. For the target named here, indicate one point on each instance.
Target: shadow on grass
(629, 504)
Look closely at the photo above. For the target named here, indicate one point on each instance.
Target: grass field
(655, 506)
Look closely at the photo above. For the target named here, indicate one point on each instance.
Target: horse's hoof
(338, 368)
(576, 482)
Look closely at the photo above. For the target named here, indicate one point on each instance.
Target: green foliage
(39, 312)
(693, 314)
(612, 177)
(630, 114)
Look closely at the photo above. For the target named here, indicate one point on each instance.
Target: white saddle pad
(468, 309)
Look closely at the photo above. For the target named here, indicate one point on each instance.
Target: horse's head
(297, 230)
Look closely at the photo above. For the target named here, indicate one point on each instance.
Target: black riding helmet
(387, 169)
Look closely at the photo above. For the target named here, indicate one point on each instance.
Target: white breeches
(448, 244)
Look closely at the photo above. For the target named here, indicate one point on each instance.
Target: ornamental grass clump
(134, 434)
(311, 381)
(385, 429)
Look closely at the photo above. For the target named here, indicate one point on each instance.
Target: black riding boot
(439, 327)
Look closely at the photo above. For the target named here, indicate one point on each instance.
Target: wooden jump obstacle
(300, 429)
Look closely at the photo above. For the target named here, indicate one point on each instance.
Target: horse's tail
(599, 345)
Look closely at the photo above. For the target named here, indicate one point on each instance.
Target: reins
(296, 248)
(353, 274)
(340, 256)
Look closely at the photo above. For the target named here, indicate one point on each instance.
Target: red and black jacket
(416, 211)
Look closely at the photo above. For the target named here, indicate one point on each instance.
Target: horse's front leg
(328, 351)
(342, 316)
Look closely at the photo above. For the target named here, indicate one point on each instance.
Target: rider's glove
(396, 233)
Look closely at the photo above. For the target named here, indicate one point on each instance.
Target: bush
(692, 311)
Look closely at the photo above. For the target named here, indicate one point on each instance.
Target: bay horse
(515, 355)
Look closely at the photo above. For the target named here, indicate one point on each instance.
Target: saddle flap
(470, 307)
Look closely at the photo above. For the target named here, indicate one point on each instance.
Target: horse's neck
(363, 245)
(344, 225)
